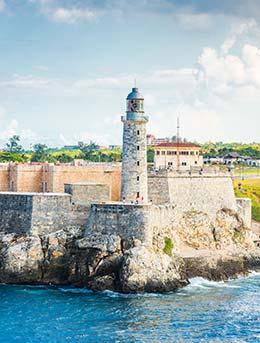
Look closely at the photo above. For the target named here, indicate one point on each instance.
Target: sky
(66, 68)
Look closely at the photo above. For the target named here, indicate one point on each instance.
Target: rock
(230, 233)
(215, 267)
(215, 250)
(21, 259)
(195, 230)
(145, 271)
(103, 283)
(101, 242)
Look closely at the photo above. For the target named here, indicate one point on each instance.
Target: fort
(47, 177)
(121, 213)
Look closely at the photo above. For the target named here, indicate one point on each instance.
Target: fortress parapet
(128, 221)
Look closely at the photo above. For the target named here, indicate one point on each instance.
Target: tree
(40, 153)
(64, 158)
(88, 149)
(150, 155)
(13, 145)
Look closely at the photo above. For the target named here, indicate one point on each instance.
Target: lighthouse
(134, 158)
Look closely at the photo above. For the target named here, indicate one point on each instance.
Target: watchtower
(134, 159)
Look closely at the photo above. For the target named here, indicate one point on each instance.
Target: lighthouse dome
(135, 94)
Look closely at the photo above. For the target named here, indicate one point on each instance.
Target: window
(138, 147)
(44, 187)
(138, 178)
(163, 152)
(138, 163)
(191, 152)
(196, 162)
(138, 132)
(138, 194)
(169, 163)
(157, 152)
(183, 163)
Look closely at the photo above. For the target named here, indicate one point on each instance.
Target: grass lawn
(246, 171)
(249, 188)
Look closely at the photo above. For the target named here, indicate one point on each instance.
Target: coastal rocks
(215, 267)
(230, 232)
(196, 231)
(197, 247)
(145, 271)
(21, 258)
(227, 232)
(34, 259)
(111, 243)
(221, 266)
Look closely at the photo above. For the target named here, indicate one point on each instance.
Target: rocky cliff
(195, 247)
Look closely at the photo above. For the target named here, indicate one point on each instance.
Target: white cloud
(25, 81)
(41, 67)
(27, 136)
(191, 21)
(71, 15)
(2, 5)
(86, 137)
(227, 69)
(209, 97)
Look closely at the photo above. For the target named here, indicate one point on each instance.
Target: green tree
(88, 150)
(14, 145)
(150, 155)
(40, 153)
(64, 158)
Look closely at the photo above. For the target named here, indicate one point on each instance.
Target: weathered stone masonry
(134, 160)
(39, 213)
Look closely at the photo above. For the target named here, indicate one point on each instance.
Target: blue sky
(67, 66)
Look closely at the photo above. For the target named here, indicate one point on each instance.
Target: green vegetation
(150, 154)
(242, 170)
(40, 153)
(220, 149)
(249, 188)
(14, 152)
(238, 237)
(168, 246)
(13, 146)
(6, 156)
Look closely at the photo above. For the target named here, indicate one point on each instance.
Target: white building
(179, 156)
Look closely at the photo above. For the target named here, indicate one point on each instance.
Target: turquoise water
(204, 311)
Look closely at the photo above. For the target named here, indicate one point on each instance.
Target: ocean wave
(112, 294)
(201, 283)
(75, 290)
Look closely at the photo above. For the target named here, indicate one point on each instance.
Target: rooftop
(179, 145)
(135, 94)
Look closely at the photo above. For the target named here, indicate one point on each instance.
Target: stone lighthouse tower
(134, 160)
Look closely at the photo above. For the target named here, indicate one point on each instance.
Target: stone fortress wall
(38, 213)
(172, 195)
(207, 193)
(44, 177)
(43, 213)
(128, 221)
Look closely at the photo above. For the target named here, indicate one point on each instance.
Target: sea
(204, 311)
